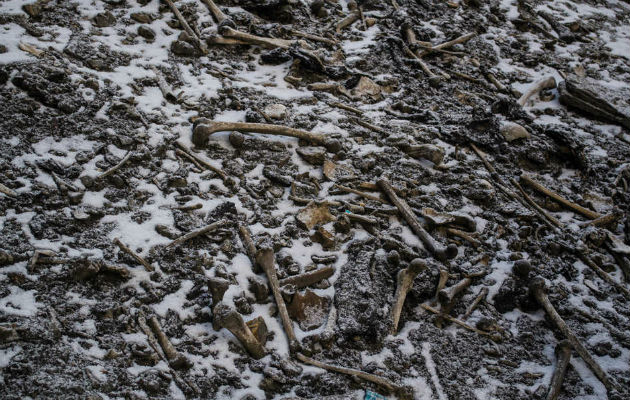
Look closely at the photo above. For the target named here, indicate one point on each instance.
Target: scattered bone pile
(315, 199)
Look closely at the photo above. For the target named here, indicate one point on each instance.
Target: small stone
(259, 288)
(142, 17)
(309, 309)
(512, 131)
(324, 237)
(522, 268)
(3, 49)
(335, 172)
(33, 9)
(184, 49)
(314, 214)
(430, 152)
(242, 305)
(167, 231)
(237, 139)
(259, 329)
(85, 269)
(367, 88)
(276, 111)
(312, 154)
(146, 32)
(104, 19)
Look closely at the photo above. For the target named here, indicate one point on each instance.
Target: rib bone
(265, 259)
(563, 353)
(439, 252)
(569, 204)
(539, 288)
(404, 280)
(228, 318)
(205, 128)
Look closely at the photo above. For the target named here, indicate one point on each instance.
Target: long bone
(216, 11)
(202, 47)
(265, 259)
(563, 354)
(174, 357)
(538, 287)
(404, 280)
(232, 33)
(547, 83)
(228, 318)
(439, 252)
(205, 127)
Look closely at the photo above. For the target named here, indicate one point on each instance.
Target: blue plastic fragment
(370, 395)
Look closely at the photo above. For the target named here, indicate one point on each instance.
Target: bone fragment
(175, 359)
(228, 318)
(404, 280)
(308, 278)
(200, 45)
(115, 167)
(134, 255)
(206, 229)
(5, 190)
(547, 83)
(563, 354)
(439, 252)
(555, 196)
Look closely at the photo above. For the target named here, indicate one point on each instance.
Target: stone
(276, 111)
(259, 288)
(3, 49)
(146, 32)
(335, 172)
(237, 139)
(455, 220)
(367, 89)
(33, 9)
(259, 329)
(312, 154)
(313, 215)
(512, 131)
(430, 152)
(309, 309)
(184, 49)
(142, 17)
(104, 19)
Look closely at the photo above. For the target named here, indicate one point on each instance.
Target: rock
(309, 309)
(312, 154)
(276, 111)
(324, 237)
(3, 49)
(455, 220)
(313, 215)
(242, 305)
(184, 49)
(512, 131)
(142, 17)
(366, 89)
(586, 95)
(521, 269)
(430, 152)
(85, 269)
(146, 32)
(259, 329)
(33, 9)
(259, 288)
(168, 231)
(237, 139)
(335, 172)
(5, 258)
(104, 19)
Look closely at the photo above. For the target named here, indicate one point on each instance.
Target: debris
(404, 283)
(314, 214)
(308, 309)
(230, 319)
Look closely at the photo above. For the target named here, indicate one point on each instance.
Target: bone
(175, 359)
(205, 128)
(248, 244)
(441, 283)
(531, 202)
(480, 297)
(404, 281)
(166, 90)
(439, 252)
(547, 83)
(555, 196)
(450, 43)
(197, 232)
(266, 260)
(5, 190)
(115, 167)
(231, 33)
(379, 380)
(494, 336)
(604, 275)
(216, 11)
(308, 278)
(228, 318)
(539, 289)
(447, 295)
(202, 47)
(134, 255)
(347, 21)
(359, 193)
(563, 354)
(201, 161)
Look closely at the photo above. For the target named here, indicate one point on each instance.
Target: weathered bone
(441, 283)
(265, 259)
(216, 11)
(347, 21)
(563, 354)
(202, 47)
(379, 380)
(308, 278)
(547, 83)
(205, 128)
(439, 252)
(134, 255)
(228, 318)
(200, 161)
(231, 33)
(480, 297)
(7, 191)
(450, 43)
(175, 358)
(197, 232)
(447, 295)
(404, 281)
(115, 167)
(494, 336)
(360, 193)
(555, 196)
(539, 288)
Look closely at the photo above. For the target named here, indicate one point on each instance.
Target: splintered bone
(404, 280)
(539, 289)
(563, 354)
(228, 318)
(266, 260)
(175, 358)
(439, 252)
(205, 127)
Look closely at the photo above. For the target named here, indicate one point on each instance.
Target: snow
(19, 302)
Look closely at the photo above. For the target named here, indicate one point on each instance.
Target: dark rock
(146, 32)
(104, 19)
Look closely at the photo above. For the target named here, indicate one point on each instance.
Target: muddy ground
(100, 172)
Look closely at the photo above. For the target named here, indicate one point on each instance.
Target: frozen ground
(79, 92)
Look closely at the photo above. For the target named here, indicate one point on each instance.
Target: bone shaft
(248, 243)
(564, 356)
(262, 128)
(216, 11)
(308, 278)
(409, 216)
(7, 191)
(577, 345)
(133, 254)
(185, 25)
(555, 196)
(115, 167)
(167, 346)
(482, 295)
(201, 161)
(546, 83)
(248, 340)
(347, 21)
(402, 289)
(258, 40)
(206, 229)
